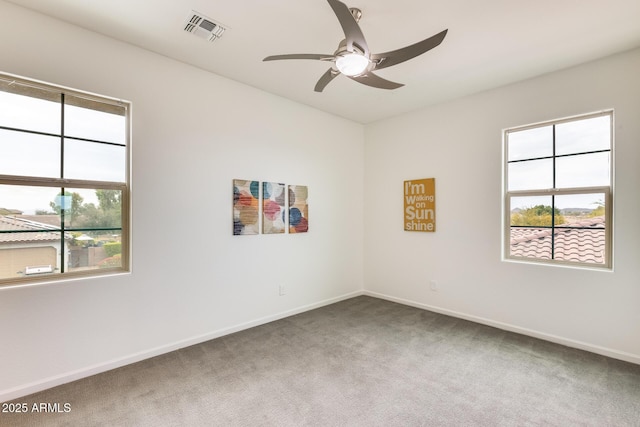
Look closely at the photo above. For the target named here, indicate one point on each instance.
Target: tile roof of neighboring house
(33, 231)
(42, 219)
(570, 244)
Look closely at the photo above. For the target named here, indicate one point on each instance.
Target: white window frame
(106, 103)
(552, 192)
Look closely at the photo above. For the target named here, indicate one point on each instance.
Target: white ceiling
(490, 43)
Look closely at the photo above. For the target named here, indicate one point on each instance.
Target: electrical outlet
(282, 290)
(433, 285)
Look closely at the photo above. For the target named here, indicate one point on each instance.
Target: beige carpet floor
(360, 362)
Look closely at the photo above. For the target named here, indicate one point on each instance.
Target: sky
(584, 170)
(28, 154)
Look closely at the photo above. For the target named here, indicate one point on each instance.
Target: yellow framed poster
(420, 205)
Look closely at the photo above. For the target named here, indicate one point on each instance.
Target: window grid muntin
(553, 194)
(50, 92)
(559, 156)
(607, 190)
(64, 228)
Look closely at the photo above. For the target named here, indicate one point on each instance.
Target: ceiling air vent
(203, 27)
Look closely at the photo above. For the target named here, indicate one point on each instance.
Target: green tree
(91, 217)
(72, 209)
(110, 207)
(113, 248)
(539, 215)
(107, 214)
(109, 199)
(599, 211)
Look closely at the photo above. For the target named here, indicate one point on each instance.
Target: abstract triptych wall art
(245, 206)
(269, 208)
(273, 211)
(298, 209)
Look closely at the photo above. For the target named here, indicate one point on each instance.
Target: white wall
(193, 133)
(459, 143)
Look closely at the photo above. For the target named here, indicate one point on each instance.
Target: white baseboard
(34, 387)
(614, 354)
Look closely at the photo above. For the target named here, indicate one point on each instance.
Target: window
(558, 197)
(64, 182)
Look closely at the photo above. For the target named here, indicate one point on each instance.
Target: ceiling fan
(353, 58)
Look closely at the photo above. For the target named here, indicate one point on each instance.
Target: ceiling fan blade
(373, 80)
(326, 79)
(394, 57)
(353, 33)
(300, 56)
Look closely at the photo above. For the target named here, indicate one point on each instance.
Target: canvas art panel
(273, 208)
(246, 195)
(298, 209)
(420, 205)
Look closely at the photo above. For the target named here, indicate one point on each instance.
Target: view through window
(64, 188)
(558, 198)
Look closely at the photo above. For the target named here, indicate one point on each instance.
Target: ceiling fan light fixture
(352, 64)
(353, 57)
